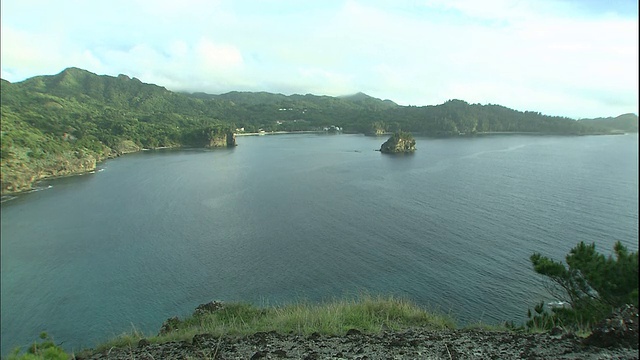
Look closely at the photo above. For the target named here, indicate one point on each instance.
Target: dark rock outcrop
(399, 142)
(169, 325)
(208, 308)
(620, 329)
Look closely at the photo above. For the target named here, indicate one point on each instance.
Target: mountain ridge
(68, 78)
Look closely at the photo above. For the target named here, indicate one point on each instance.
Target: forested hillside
(63, 124)
(623, 123)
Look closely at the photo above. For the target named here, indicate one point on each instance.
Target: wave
(40, 188)
(5, 198)
(511, 148)
(558, 304)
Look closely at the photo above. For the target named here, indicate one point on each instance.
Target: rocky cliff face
(222, 140)
(22, 172)
(21, 176)
(126, 147)
(399, 143)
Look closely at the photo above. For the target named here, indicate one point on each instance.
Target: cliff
(227, 139)
(399, 142)
(17, 176)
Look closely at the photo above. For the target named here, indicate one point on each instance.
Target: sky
(573, 58)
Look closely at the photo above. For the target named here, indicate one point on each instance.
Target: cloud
(217, 58)
(515, 62)
(321, 81)
(514, 53)
(24, 53)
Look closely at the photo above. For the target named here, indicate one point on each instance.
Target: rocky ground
(614, 338)
(410, 344)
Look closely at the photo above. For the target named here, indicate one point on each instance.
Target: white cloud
(488, 9)
(321, 81)
(515, 53)
(24, 54)
(216, 58)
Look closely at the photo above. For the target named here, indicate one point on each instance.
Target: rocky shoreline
(24, 179)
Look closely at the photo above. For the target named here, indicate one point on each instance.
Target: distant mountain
(362, 98)
(62, 124)
(284, 101)
(243, 97)
(621, 123)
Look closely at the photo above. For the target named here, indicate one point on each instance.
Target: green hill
(625, 123)
(63, 124)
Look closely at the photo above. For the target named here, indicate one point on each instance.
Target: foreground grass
(367, 313)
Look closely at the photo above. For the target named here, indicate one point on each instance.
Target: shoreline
(279, 132)
(7, 196)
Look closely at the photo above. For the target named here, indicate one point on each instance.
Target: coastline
(280, 132)
(9, 195)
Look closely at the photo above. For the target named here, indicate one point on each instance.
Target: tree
(592, 284)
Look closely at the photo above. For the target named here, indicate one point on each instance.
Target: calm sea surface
(282, 218)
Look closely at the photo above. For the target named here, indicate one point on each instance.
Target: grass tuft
(369, 314)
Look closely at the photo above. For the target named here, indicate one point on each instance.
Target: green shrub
(43, 350)
(592, 284)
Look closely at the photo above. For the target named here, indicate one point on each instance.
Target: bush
(593, 285)
(45, 350)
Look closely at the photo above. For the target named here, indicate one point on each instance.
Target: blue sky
(559, 57)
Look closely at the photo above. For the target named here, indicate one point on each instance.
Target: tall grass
(369, 314)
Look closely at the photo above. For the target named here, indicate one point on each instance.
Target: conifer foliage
(591, 283)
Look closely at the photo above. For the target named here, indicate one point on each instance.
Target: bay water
(293, 217)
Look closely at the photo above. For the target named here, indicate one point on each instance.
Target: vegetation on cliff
(65, 123)
(399, 142)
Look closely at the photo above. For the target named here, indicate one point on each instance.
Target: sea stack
(399, 142)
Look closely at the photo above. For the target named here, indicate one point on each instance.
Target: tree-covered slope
(65, 123)
(623, 123)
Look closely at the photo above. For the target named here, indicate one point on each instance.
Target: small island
(399, 142)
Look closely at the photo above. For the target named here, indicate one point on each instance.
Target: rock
(201, 340)
(208, 308)
(143, 342)
(259, 354)
(169, 325)
(620, 329)
(557, 330)
(280, 353)
(126, 147)
(399, 142)
(227, 139)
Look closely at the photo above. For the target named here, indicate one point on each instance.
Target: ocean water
(282, 218)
